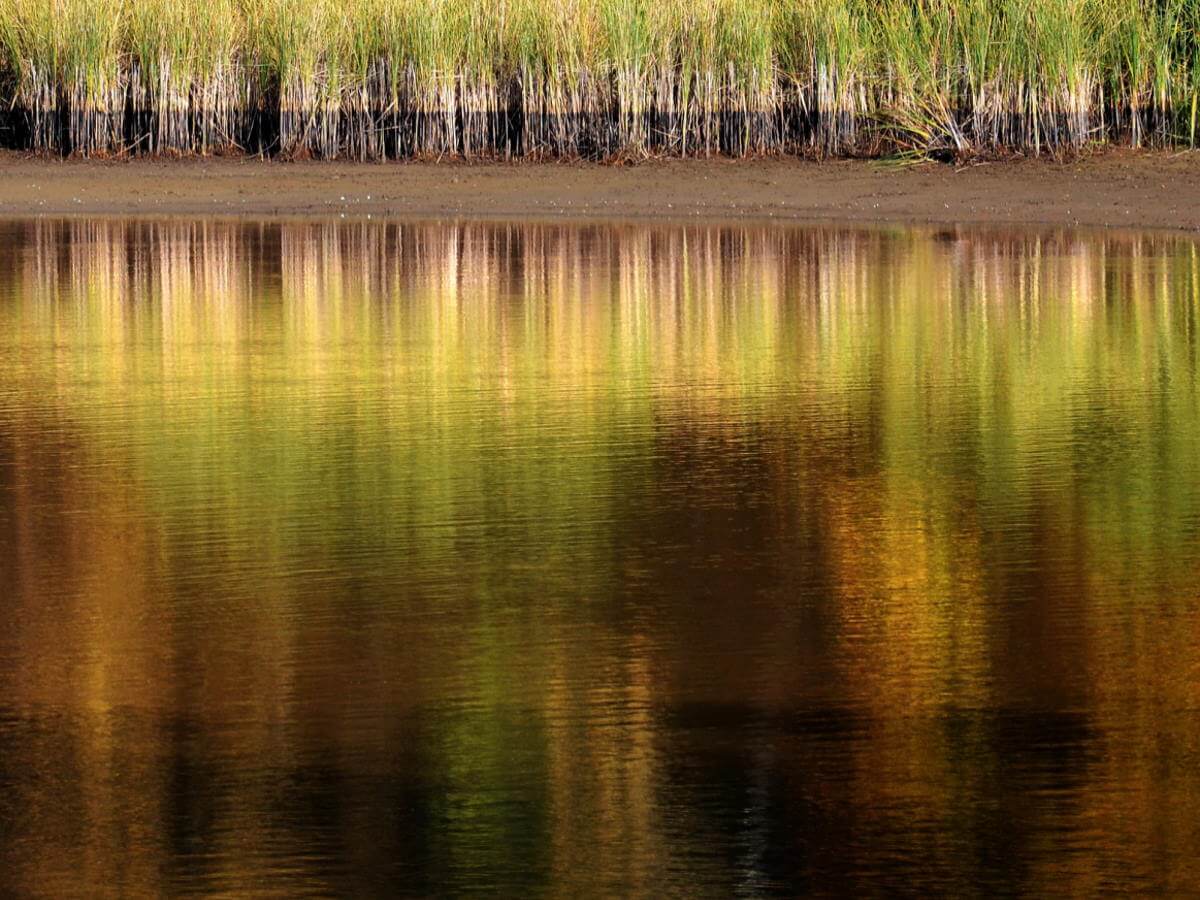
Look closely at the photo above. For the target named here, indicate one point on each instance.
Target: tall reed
(376, 79)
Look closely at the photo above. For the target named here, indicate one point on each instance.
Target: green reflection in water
(610, 557)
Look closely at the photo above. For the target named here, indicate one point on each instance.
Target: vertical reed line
(378, 79)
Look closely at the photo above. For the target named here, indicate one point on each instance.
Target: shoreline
(1109, 189)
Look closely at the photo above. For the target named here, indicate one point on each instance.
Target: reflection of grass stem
(581, 325)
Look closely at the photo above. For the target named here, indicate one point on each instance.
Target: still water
(367, 558)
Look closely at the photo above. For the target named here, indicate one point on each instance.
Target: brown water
(374, 558)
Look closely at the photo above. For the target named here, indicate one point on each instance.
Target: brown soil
(1113, 189)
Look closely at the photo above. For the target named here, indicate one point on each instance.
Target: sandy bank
(1114, 189)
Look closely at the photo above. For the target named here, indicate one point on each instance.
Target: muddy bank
(1114, 189)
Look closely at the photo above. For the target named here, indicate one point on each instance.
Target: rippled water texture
(366, 558)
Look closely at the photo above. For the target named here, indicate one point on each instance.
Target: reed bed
(380, 79)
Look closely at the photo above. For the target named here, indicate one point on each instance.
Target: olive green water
(367, 558)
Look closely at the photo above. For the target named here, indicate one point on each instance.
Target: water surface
(362, 558)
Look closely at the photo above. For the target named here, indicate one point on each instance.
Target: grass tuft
(375, 79)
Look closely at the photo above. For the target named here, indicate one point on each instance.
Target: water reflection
(370, 557)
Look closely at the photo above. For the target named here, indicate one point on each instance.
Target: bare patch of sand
(1112, 189)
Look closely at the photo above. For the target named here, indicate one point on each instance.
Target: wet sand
(1112, 189)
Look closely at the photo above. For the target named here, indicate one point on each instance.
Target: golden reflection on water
(426, 556)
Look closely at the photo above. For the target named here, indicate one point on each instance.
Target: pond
(367, 557)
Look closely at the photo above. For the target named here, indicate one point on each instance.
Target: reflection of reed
(405, 429)
(581, 271)
(703, 313)
(928, 337)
